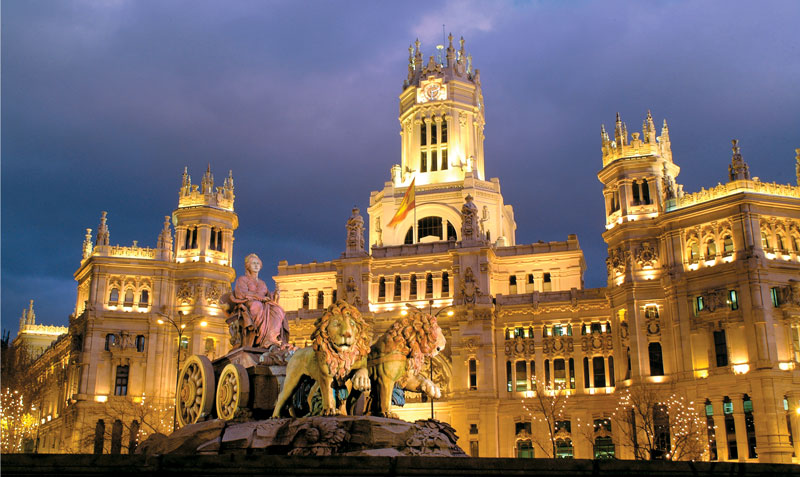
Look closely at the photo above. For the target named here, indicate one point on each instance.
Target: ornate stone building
(132, 305)
(702, 302)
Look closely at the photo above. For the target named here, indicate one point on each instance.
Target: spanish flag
(405, 206)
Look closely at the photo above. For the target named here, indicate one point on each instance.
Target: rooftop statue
(355, 232)
(263, 320)
(469, 220)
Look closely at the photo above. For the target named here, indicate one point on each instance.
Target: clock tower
(442, 121)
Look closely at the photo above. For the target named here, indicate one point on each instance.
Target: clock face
(432, 91)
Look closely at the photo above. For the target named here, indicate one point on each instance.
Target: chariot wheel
(233, 391)
(195, 397)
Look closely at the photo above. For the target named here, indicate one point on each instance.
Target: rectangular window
(423, 164)
(547, 381)
(445, 164)
(185, 342)
(444, 130)
(559, 373)
(509, 382)
(434, 161)
(522, 427)
(121, 382)
(547, 285)
(733, 299)
(433, 132)
(423, 133)
(599, 368)
(522, 376)
(473, 449)
(571, 373)
(586, 383)
(558, 330)
(700, 304)
(776, 298)
(721, 348)
(473, 374)
(750, 427)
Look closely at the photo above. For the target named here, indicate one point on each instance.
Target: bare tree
(125, 424)
(655, 423)
(546, 405)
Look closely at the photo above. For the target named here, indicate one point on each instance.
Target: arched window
(628, 367)
(382, 289)
(451, 232)
(409, 236)
(212, 239)
(611, 380)
(428, 285)
(635, 193)
(128, 297)
(780, 242)
(187, 243)
(113, 297)
(524, 449)
(599, 370)
(764, 241)
(694, 252)
(413, 286)
(727, 245)
(445, 284)
(194, 237)
(564, 449)
(645, 192)
(661, 431)
(559, 374)
(305, 301)
(473, 374)
(144, 298)
(140, 343)
(111, 341)
(397, 288)
(586, 383)
(571, 373)
(711, 249)
(320, 299)
(795, 245)
(656, 359)
(429, 227)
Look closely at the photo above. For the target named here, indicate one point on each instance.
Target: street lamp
(180, 325)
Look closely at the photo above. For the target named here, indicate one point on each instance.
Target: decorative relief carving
(185, 294)
(469, 288)
(552, 345)
(597, 342)
(617, 261)
(646, 255)
(789, 295)
(520, 347)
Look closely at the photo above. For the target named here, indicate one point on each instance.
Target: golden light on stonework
(204, 323)
(741, 368)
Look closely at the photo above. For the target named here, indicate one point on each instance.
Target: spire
(461, 52)
(186, 179)
(31, 314)
(102, 231)
(624, 133)
(649, 131)
(618, 131)
(417, 56)
(87, 244)
(738, 170)
(665, 131)
(451, 52)
(208, 181)
(165, 237)
(23, 320)
(603, 135)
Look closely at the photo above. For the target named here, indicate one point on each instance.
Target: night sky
(105, 102)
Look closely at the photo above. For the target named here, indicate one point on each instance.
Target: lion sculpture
(398, 356)
(339, 349)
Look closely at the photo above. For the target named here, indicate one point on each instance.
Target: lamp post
(180, 325)
(449, 313)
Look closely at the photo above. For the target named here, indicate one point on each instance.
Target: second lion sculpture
(398, 356)
(338, 352)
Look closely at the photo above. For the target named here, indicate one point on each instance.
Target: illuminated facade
(703, 295)
(121, 346)
(700, 303)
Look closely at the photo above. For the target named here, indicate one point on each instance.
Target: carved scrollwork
(646, 255)
(617, 261)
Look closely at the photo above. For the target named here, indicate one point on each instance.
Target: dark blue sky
(105, 102)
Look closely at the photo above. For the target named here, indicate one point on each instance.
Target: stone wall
(82, 464)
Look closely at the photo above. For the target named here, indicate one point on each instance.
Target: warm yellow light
(741, 368)
(160, 321)
(785, 366)
(404, 312)
(183, 326)
(529, 394)
(450, 313)
(701, 373)
(203, 323)
(797, 410)
(100, 398)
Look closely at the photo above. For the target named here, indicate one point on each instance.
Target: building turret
(738, 170)
(442, 123)
(102, 231)
(204, 221)
(165, 240)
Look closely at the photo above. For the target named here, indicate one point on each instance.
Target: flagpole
(416, 234)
